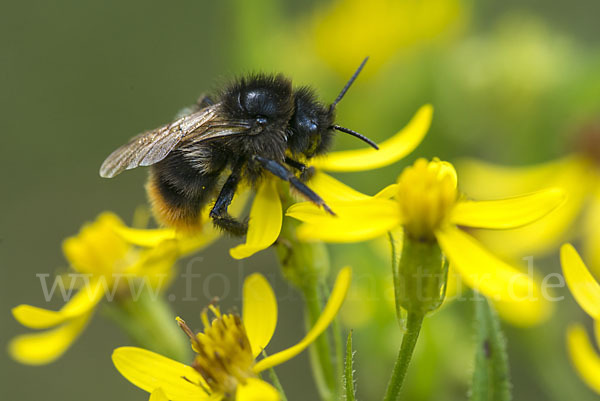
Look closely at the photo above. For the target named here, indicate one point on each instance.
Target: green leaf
(348, 371)
(491, 381)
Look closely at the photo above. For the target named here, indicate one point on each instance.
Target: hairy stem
(413, 328)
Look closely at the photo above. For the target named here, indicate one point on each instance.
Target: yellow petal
(484, 180)
(187, 243)
(259, 312)
(583, 356)
(507, 213)
(81, 303)
(354, 221)
(97, 247)
(390, 151)
(388, 192)
(524, 313)
(149, 371)
(591, 233)
(155, 261)
(573, 175)
(332, 190)
(338, 294)
(47, 346)
(145, 237)
(265, 221)
(256, 390)
(480, 269)
(158, 395)
(583, 285)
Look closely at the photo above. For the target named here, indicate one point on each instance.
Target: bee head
(312, 124)
(263, 102)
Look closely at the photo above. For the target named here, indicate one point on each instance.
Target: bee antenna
(347, 86)
(356, 134)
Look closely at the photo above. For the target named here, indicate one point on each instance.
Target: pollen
(223, 353)
(427, 193)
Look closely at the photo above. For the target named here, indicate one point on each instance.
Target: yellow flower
(266, 213)
(347, 30)
(103, 264)
(426, 204)
(586, 291)
(186, 243)
(225, 365)
(576, 174)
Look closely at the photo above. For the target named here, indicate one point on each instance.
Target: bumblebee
(257, 125)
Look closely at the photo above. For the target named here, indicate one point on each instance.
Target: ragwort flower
(426, 204)
(266, 213)
(104, 264)
(586, 291)
(225, 364)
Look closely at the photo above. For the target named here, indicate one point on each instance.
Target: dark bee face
(264, 102)
(310, 125)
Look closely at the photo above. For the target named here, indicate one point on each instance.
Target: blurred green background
(510, 82)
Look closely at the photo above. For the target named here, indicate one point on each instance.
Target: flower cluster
(437, 241)
(105, 265)
(437, 229)
(426, 204)
(225, 364)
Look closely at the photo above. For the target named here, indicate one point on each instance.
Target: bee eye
(261, 120)
(307, 125)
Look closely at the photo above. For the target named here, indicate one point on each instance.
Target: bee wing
(152, 146)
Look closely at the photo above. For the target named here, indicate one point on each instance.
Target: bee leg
(306, 172)
(283, 173)
(219, 214)
(295, 164)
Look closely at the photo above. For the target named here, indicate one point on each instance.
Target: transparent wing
(152, 146)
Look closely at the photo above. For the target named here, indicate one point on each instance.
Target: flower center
(223, 353)
(427, 194)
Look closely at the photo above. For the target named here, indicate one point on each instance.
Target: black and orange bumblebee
(257, 125)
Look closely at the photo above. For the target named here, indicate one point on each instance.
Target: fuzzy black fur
(280, 119)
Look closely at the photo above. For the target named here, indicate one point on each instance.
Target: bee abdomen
(178, 192)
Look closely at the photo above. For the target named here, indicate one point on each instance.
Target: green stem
(338, 348)
(320, 352)
(306, 266)
(151, 324)
(409, 340)
(396, 276)
(349, 371)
